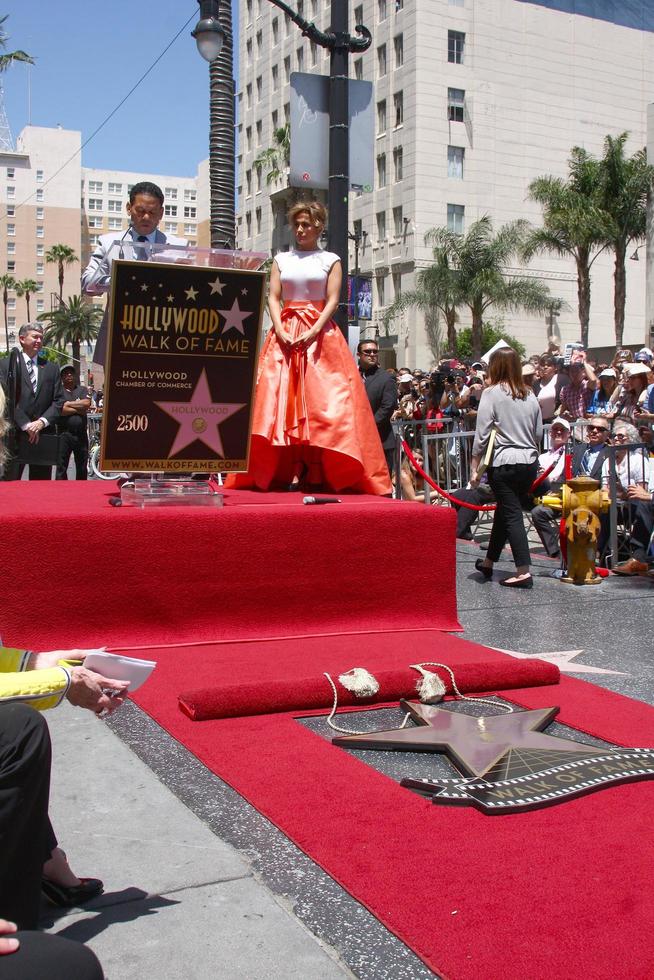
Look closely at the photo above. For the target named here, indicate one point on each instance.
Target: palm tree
(7, 282)
(25, 287)
(221, 137)
(574, 223)
(62, 255)
(625, 183)
(75, 322)
(276, 157)
(8, 59)
(436, 292)
(479, 260)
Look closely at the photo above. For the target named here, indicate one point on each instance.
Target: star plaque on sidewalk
(509, 763)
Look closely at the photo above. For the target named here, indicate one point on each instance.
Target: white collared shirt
(35, 365)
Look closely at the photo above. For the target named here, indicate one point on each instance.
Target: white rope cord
(505, 707)
(347, 731)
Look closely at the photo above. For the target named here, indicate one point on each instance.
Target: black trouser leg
(66, 445)
(641, 528)
(546, 523)
(81, 455)
(24, 791)
(510, 484)
(41, 956)
(40, 472)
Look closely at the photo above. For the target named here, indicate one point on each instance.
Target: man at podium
(145, 209)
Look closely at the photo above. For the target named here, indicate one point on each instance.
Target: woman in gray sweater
(510, 409)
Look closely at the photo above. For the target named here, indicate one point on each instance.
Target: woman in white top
(632, 466)
(312, 424)
(509, 409)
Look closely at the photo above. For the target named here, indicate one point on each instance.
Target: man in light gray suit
(145, 209)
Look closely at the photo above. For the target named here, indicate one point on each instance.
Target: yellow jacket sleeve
(41, 689)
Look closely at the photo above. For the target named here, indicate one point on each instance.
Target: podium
(184, 328)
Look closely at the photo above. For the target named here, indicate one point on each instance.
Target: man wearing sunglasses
(381, 389)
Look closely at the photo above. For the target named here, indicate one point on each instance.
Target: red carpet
(559, 892)
(264, 565)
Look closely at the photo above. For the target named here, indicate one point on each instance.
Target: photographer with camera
(577, 395)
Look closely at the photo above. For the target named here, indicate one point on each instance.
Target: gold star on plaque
(244, 292)
(191, 294)
(170, 298)
(474, 745)
(144, 287)
(217, 286)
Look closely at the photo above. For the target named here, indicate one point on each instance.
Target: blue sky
(88, 55)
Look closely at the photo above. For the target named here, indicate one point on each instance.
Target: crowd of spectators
(586, 403)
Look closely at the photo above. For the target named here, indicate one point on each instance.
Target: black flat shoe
(522, 583)
(66, 896)
(486, 572)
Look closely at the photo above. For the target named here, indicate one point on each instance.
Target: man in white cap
(545, 519)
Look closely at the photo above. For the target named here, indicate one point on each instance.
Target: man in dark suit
(145, 209)
(381, 389)
(39, 398)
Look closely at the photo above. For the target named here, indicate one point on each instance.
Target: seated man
(546, 519)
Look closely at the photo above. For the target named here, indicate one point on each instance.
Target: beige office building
(473, 100)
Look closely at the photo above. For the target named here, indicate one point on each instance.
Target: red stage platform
(77, 572)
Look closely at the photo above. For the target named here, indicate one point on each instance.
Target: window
(455, 155)
(192, 244)
(398, 223)
(259, 132)
(259, 88)
(39, 285)
(287, 69)
(314, 54)
(287, 112)
(398, 106)
(248, 182)
(248, 15)
(381, 117)
(189, 229)
(96, 221)
(358, 69)
(190, 212)
(40, 249)
(39, 231)
(397, 285)
(275, 77)
(11, 267)
(398, 163)
(314, 8)
(40, 213)
(299, 54)
(170, 210)
(455, 104)
(170, 226)
(11, 191)
(259, 43)
(287, 25)
(12, 303)
(382, 13)
(248, 138)
(11, 173)
(358, 14)
(257, 215)
(455, 45)
(398, 49)
(115, 224)
(381, 290)
(95, 187)
(190, 195)
(258, 176)
(115, 188)
(381, 60)
(248, 224)
(456, 3)
(11, 248)
(11, 211)
(11, 229)
(455, 218)
(248, 51)
(381, 225)
(115, 206)
(399, 5)
(39, 176)
(275, 30)
(381, 170)
(39, 194)
(40, 305)
(274, 119)
(300, 7)
(95, 204)
(248, 95)
(39, 268)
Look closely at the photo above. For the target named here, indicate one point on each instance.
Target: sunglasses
(370, 353)
(597, 428)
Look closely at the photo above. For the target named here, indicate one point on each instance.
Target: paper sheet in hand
(118, 668)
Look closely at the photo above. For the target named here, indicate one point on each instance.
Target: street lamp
(208, 33)
(340, 45)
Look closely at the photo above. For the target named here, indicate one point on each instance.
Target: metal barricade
(634, 468)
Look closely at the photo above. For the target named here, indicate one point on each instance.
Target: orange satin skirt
(311, 415)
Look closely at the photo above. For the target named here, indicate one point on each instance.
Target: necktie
(32, 373)
(140, 253)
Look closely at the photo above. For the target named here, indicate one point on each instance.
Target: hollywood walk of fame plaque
(181, 366)
(508, 763)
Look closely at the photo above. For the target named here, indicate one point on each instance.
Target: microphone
(121, 252)
(321, 500)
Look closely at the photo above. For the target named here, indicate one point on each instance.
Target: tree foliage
(75, 322)
(63, 255)
(10, 57)
(491, 332)
(276, 157)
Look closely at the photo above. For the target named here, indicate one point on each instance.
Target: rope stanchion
(454, 500)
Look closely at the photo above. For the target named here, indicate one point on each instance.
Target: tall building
(473, 100)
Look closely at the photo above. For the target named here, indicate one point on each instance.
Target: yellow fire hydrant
(581, 503)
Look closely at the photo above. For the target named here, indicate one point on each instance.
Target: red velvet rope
(454, 500)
